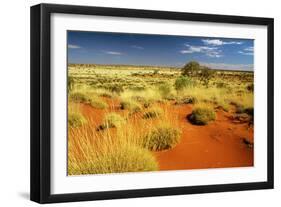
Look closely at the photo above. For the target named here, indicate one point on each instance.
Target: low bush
(127, 158)
(153, 113)
(161, 138)
(112, 120)
(183, 82)
(202, 115)
(75, 119)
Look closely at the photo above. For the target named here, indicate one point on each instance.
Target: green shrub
(161, 138)
(202, 115)
(130, 105)
(183, 82)
(122, 159)
(190, 68)
(75, 119)
(153, 113)
(205, 75)
(112, 120)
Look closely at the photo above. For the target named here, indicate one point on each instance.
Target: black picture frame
(41, 96)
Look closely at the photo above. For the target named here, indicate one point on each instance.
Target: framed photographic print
(133, 103)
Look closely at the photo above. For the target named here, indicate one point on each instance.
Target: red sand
(216, 145)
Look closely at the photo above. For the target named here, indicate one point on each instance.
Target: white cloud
(209, 51)
(70, 46)
(225, 66)
(251, 49)
(218, 42)
(112, 53)
(247, 51)
(137, 47)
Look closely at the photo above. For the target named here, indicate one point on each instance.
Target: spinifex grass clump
(162, 137)
(154, 112)
(187, 100)
(91, 152)
(80, 97)
(202, 115)
(98, 103)
(130, 105)
(146, 102)
(117, 160)
(112, 120)
(165, 90)
(75, 119)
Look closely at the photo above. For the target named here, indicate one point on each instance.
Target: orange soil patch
(216, 145)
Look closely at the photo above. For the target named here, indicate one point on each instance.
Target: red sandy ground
(216, 145)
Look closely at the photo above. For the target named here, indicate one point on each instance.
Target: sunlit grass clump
(80, 97)
(154, 112)
(98, 103)
(187, 100)
(76, 119)
(112, 120)
(130, 105)
(202, 115)
(122, 159)
(162, 137)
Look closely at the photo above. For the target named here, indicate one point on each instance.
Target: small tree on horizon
(190, 68)
(205, 75)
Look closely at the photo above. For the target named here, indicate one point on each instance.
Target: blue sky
(161, 50)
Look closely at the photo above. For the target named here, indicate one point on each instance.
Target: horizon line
(162, 66)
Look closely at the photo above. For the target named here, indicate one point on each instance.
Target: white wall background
(14, 104)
